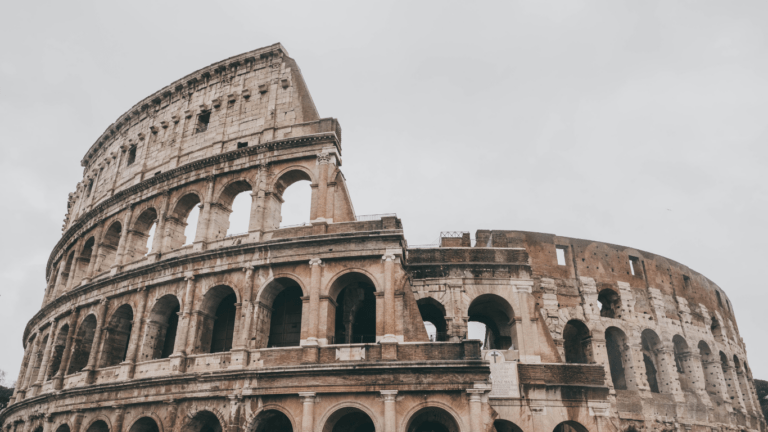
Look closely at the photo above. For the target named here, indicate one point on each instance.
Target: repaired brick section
(562, 374)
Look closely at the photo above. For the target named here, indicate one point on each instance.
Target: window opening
(285, 326)
(635, 266)
(609, 303)
(560, 250)
(224, 326)
(719, 300)
(687, 282)
(131, 155)
(356, 314)
(615, 341)
(576, 342)
(433, 316)
(242, 145)
(191, 229)
(202, 122)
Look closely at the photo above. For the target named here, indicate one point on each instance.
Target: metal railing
(453, 234)
(374, 216)
(296, 225)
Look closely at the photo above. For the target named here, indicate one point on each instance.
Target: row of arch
(694, 369)
(153, 229)
(345, 419)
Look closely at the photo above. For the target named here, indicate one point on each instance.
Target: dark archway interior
(649, 342)
(354, 421)
(497, 315)
(82, 345)
(576, 342)
(356, 314)
(204, 421)
(614, 345)
(57, 351)
(161, 329)
(118, 336)
(98, 426)
(610, 303)
(432, 311)
(64, 428)
(570, 426)
(145, 424)
(224, 325)
(271, 420)
(505, 426)
(285, 324)
(432, 419)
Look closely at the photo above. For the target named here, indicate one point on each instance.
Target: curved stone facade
(320, 327)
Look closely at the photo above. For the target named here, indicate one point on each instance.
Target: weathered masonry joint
(159, 316)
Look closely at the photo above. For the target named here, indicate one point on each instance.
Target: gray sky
(635, 123)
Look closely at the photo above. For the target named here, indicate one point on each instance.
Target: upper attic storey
(246, 100)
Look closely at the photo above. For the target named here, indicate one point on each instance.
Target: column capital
(388, 257)
(189, 278)
(476, 395)
(316, 261)
(307, 397)
(388, 395)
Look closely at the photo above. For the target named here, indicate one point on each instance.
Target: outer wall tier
(320, 327)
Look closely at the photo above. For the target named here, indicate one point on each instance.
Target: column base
(254, 236)
(178, 363)
(90, 375)
(33, 389)
(388, 350)
(58, 382)
(239, 358)
(310, 354)
(126, 370)
(198, 246)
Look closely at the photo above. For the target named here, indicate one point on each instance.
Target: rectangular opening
(635, 266)
(158, 173)
(202, 122)
(560, 250)
(132, 155)
(686, 282)
(242, 144)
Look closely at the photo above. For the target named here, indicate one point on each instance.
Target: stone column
(731, 382)
(94, 254)
(201, 235)
(390, 412)
(180, 349)
(475, 410)
(159, 240)
(245, 317)
(73, 266)
(122, 244)
(389, 340)
(47, 354)
(24, 376)
(58, 380)
(129, 365)
(308, 414)
(668, 377)
(323, 161)
(173, 409)
(525, 326)
(315, 266)
(90, 368)
(117, 425)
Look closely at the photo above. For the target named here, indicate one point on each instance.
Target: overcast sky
(637, 123)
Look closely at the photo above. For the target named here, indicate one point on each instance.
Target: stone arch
(63, 426)
(35, 362)
(57, 351)
(117, 335)
(146, 422)
(83, 343)
(254, 422)
(353, 308)
(219, 221)
(619, 358)
(266, 292)
(497, 315)
(201, 420)
(411, 420)
(290, 175)
(176, 222)
(337, 412)
(332, 288)
(502, 425)
(138, 235)
(609, 300)
(274, 200)
(109, 244)
(104, 420)
(67, 271)
(708, 367)
(682, 358)
(577, 342)
(650, 343)
(227, 191)
(84, 260)
(217, 319)
(161, 326)
(570, 426)
(433, 311)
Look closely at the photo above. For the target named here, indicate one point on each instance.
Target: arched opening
(181, 223)
(233, 213)
(355, 310)
(118, 334)
(576, 342)
(271, 420)
(615, 343)
(285, 322)
(349, 420)
(98, 426)
(650, 343)
(716, 330)
(496, 314)
(57, 351)
(139, 238)
(505, 426)
(82, 344)
(682, 355)
(432, 419)
(570, 426)
(218, 315)
(610, 303)
(708, 363)
(144, 424)
(730, 381)
(161, 328)
(204, 421)
(84, 260)
(109, 246)
(63, 428)
(67, 271)
(719, 299)
(433, 315)
(290, 205)
(34, 363)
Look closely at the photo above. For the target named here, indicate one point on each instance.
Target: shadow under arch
(353, 306)
(118, 334)
(83, 344)
(501, 425)
(682, 352)
(217, 319)
(161, 327)
(570, 426)
(349, 417)
(146, 424)
(272, 417)
(64, 427)
(431, 417)
(203, 421)
(497, 315)
(98, 425)
(576, 342)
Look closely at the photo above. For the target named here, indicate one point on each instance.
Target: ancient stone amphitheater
(321, 327)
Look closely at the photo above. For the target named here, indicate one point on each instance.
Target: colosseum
(323, 326)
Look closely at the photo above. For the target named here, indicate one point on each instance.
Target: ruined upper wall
(248, 99)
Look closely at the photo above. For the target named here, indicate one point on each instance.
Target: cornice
(177, 172)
